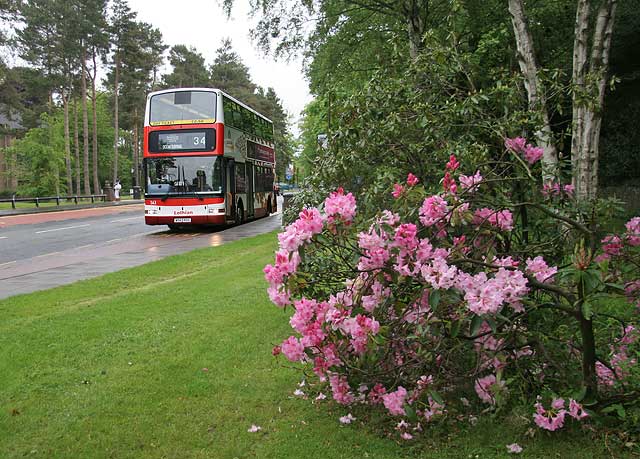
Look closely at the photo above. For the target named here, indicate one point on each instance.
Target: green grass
(114, 367)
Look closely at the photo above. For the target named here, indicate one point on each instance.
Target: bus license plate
(181, 220)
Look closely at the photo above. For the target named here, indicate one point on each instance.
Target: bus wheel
(173, 227)
(269, 207)
(240, 214)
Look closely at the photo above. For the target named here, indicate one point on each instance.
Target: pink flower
(394, 401)
(502, 219)
(551, 189)
(397, 190)
(552, 419)
(576, 411)
(434, 409)
(433, 209)
(470, 182)
(310, 221)
(254, 428)
(406, 436)
(412, 180)
(484, 298)
(487, 387)
(292, 349)
(305, 309)
(449, 183)
(339, 206)
(569, 189)
(633, 231)
(348, 419)
(517, 144)
(539, 269)
(514, 448)
(533, 154)
(341, 390)
(557, 403)
(612, 245)
(453, 163)
(277, 296)
(376, 394)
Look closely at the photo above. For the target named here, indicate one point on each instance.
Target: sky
(202, 24)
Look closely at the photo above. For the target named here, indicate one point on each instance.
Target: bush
(496, 291)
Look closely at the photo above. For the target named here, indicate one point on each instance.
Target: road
(32, 235)
(40, 251)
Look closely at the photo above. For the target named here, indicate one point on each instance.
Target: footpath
(47, 209)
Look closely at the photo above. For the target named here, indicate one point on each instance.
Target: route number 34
(198, 140)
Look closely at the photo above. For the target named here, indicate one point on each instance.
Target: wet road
(28, 236)
(40, 251)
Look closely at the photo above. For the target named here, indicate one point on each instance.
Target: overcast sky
(203, 24)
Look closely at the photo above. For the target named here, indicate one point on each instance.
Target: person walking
(116, 190)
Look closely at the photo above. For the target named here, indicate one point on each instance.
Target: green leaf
(455, 328)
(587, 310)
(410, 412)
(436, 397)
(434, 298)
(618, 409)
(476, 323)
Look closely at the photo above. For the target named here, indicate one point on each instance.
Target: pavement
(67, 266)
(62, 208)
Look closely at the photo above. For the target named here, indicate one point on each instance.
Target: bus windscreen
(183, 107)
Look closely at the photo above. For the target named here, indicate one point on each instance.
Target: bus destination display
(176, 141)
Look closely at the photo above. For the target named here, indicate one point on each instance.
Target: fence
(57, 199)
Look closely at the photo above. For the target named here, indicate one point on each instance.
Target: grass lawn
(172, 359)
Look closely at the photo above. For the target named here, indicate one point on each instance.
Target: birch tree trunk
(535, 94)
(588, 101)
(85, 124)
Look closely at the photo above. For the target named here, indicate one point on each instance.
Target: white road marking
(60, 229)
(3, 237)
(7, 263)
(125, 219)
(113, 240)
(47, 254)
(83, 246)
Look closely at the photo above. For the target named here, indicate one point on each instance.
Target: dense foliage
(66, 47)
(494, 292)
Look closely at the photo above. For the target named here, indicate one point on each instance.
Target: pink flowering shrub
(473, 293)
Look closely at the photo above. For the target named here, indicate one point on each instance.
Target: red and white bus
(208, 159)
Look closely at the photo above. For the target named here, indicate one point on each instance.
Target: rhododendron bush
(492, 291)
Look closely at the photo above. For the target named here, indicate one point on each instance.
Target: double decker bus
(208, 159)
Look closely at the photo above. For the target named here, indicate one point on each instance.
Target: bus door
(250, 197)
(230, 189)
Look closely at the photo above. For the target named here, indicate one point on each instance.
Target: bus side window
(228, 112)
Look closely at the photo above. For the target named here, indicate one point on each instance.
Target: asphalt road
(40, 251)
(45, 237)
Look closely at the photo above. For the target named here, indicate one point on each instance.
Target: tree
(189, 69)
(591, 50)
(229, 73)
(121, 28)
(281, 21)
